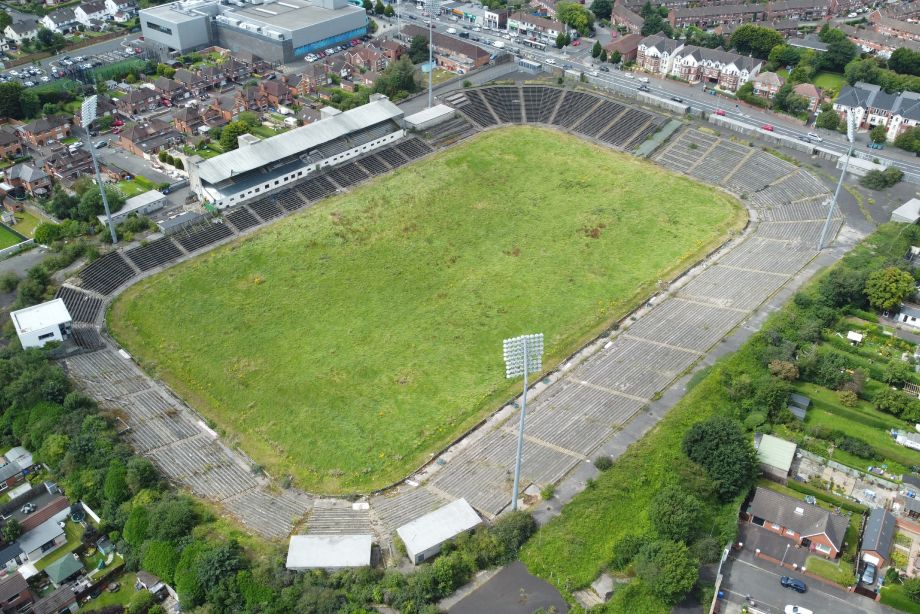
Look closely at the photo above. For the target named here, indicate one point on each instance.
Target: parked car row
(312, 57)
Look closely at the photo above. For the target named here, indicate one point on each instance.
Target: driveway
(513, 590)
(133, 164)
(746, 575)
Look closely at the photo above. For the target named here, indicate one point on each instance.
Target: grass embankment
(346, 344)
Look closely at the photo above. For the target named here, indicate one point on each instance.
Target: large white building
(274, 164)
(276, 31)
(424, 536)
(42, 323)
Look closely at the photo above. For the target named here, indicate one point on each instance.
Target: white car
(46, 79)
(594, 73)
(551, 61)
(628, 75)
(814, 136)
(796, 609)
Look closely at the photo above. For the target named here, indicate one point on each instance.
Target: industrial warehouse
(275, 31)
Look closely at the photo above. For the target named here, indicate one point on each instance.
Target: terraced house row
(660, 55)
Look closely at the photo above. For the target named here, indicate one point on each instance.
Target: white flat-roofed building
(424, 536)
(276, 163)
(328, 552)
(42, 323)
(433, 116)
(142, 204)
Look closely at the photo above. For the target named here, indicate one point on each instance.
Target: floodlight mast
(432, 6)
(523, 355)
(88, 115)
(851, 137)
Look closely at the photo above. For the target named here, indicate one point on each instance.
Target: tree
(397, 80)
(784, 370)
(12, 530)
(675, 514)
(912, 588)
(378, 8)
(879, 180)
(172, 519)
(827, 120)
(720, 446)
(575, 16)
(783, 55)
(562, 39)
(866, 70)
(115, 488)
(368, 5)
(626, 549)
(230, 134)
(905, 61)
(141, 603)
(897, 373)
(418, 49)
(879, 134)
(596, 49)
(160, 558)
(91, 203)
(5, 20)
(388, 11)
(888, 287)
(45, 37)
(654, 24)
(843, 286)
(756, 40)
(787, 100)
(668, 569)
(603, 55)
(909, 140)
(616, 57)
(602, 9)
(136, 526)
(30, 104)
(839, 53)
(188, 582)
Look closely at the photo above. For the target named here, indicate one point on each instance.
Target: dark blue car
(796, 585)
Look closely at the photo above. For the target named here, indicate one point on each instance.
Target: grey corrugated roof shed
(329, 551)
(63, 568)
(438, 526)
(300, 140)
(879, 532)
(776, 452)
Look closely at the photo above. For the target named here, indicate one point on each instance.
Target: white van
(643, 79)
(451, 30)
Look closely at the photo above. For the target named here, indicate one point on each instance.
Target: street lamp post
(783, 562)
(523, 355)
(432, 6)
(851, 137)
(88, 115)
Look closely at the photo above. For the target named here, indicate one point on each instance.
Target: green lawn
(841, 573)
(132, 188)
(893, 595)
(265, 132)
(8, 238)
(862, 422)
(823, 80)
(346, 344)
(121, 597)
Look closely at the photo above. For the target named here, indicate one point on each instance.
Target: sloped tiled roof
(803, 518)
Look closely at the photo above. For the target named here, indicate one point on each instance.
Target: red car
(767, 127)
(576, 42)
(720, 111)
(118, 122)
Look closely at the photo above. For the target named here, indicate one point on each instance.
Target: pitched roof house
(22, 30)
(38, 132)
(148, 137)
(715, 66)
(92, 13)
(878, 537)
(807, 525)
(872, 106)
(60, 20)
(655, 53)
(138, 100)
(766, 84)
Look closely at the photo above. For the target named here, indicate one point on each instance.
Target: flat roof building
(42, 323)
(424, 536)
(279, 31)
(328, 551)
(142, 204)
(908, 213)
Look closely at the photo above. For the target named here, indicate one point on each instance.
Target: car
(102, 144)
(796, 609)
(628, 75)
(29, 83)
(643, 79)
(567, 65)
(793, 584)
(644, 88)
(605, 69)
(28, 508)
(814, 136)
(594, 73)
(551, 61)
(677, 99)
(868, 576)
(576, 42)
(113, 587)
(767, 127)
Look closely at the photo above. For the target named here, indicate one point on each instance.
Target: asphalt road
(580, 60)
(746, 575)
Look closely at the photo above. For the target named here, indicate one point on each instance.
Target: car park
(793, 584)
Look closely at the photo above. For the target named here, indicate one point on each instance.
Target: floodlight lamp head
(523, 353)
(88, 111)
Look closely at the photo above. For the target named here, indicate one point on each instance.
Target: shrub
(912, 589)
(848, 398)
(754, 420)
(626, 549)
(725, 451)
(880, 180)
(858, 448)
(511, 531)
(603, 463)
(9, 281)
(707, 550)
(784, 369)
(548, 492)
(668, 569)
(675, 514)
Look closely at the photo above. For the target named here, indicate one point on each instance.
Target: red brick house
(15, 594)
(766, 84)
(39, 132)
(276, 92)
(627, 46)
(810, 93)
(10, 145)
(393, 50)
(33, 180)
(192, 81)
(169, 89)
(622, 16)
(313, 77)
(148, 137)
(252, 62)
(138, 100)
(65, 166)
(806, 525)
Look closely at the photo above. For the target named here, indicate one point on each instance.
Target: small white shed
(142, 204)
(423, 536)
(908, 213)
(42, 323)
(328, 552)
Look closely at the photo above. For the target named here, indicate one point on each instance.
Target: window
(776, 527)
(158, 28)
(823, 549)
(45, 336)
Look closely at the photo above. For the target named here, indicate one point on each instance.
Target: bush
(880, 180)
(668, 569)
(548, 492)
(675, 514)
(754, 420)
(848, 398)
(626, 549)
(912, 589)
(707, 550)
(603, 463)
(511, 531)
(9, 281)
(721, 447)
(858, 448)
(784, 369)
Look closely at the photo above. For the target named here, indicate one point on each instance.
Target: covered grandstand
(254, 170)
